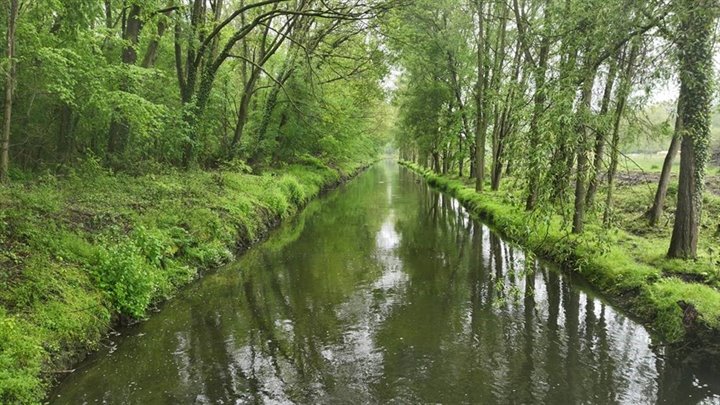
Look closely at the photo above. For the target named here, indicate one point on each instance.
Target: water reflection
(386, 290)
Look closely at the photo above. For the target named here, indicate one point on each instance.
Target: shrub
(123, 275)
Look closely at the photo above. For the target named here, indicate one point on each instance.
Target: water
(386, 291)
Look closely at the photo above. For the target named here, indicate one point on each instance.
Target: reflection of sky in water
(433, 308)
(358, 358)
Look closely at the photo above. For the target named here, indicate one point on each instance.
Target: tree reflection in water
(386, 290)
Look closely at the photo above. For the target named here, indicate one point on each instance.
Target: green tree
(695, 43)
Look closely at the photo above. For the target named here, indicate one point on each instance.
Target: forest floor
(89, 250)
(679, 300)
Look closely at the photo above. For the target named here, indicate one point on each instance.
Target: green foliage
(75, 79)
(20, 361)
(293, 189)
(123, 274)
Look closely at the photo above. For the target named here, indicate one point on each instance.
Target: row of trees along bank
(187, 83)
(545, 88)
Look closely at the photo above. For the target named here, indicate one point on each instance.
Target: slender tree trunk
(540, 72)
(9, 88)
(601, 135)
(480, 132)
(66, 139)
(243, 111)
(497, 75)
(658, 206)
(446, 160)
(504, 125)
(108, 14)
(119, 131)
(278, 136)
(151, 52)
(473, 154)
(436, 162)
(623, 92)
(465, 132)
(271, 102)
(696, 73)
(565, 151)
(582, 150)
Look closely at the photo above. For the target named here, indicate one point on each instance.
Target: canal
(386, 291)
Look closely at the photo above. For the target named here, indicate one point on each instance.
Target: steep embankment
(81, 253)
(678, 310)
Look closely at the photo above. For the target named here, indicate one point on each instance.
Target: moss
(672, 296)
(629, 267)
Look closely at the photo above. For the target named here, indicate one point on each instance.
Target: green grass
(646, 162)
(627, 263)
(82, 252)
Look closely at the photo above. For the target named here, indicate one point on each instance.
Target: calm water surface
(386, 291)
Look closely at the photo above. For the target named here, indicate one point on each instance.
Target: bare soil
(635, 178)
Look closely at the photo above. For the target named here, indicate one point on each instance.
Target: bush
(123, 275)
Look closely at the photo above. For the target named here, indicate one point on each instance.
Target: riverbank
(624, 266)
(90, 250)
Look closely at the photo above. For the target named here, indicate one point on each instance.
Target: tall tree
(695, 43)
(601, 133)
(658, 206)
(120, 127)
(12, 16)
(480, 118)
(582, 149)
(624, 89)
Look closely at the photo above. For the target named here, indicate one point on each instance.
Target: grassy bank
(678, 300)
(81, 252)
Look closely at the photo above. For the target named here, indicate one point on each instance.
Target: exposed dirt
(634, 178)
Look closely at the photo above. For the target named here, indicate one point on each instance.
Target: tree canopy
(546, 90)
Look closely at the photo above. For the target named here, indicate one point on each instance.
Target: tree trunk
(623, 92)
(696, 73)
(150, 57)
(270, 103)
(583, 114)
(119, 131)
(601, 135)
(504, 124)
(436, 162)
(473, 155)
(243, 111)
(446, 160)
(480, 132)
(66, 139)
(565, 151)
(658, 206)
(108, 14)
(534, 132)
(9, 88)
